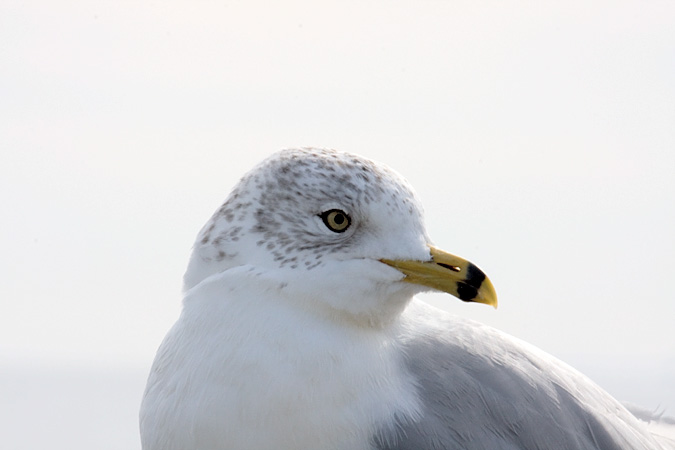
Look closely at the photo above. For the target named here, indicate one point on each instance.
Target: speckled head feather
(299, 321)
(273, 214)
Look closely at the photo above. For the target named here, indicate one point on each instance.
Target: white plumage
(298, 332)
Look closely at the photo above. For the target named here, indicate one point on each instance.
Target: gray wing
(482, 389)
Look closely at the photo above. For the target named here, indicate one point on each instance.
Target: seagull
(299, 331)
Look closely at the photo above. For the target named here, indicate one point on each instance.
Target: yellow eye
(336, 220)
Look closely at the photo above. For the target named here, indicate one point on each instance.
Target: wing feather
(484, 390)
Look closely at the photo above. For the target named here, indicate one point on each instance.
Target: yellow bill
(448, 273)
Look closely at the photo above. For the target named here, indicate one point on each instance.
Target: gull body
(299, 331)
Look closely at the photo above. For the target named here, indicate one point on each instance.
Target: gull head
(332, 230)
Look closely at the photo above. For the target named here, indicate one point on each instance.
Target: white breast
(242, 369)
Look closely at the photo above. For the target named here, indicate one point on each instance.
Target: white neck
(250, 371)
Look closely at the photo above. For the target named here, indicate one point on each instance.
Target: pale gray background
(540, 136)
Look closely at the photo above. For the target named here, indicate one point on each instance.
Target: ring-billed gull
(299, 331)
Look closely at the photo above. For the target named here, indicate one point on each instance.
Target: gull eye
(336, 220)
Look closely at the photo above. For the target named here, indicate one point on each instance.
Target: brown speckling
(276, 207)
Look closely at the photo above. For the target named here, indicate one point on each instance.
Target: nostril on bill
(448, 266)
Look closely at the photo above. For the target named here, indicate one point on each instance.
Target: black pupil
(336, 220)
